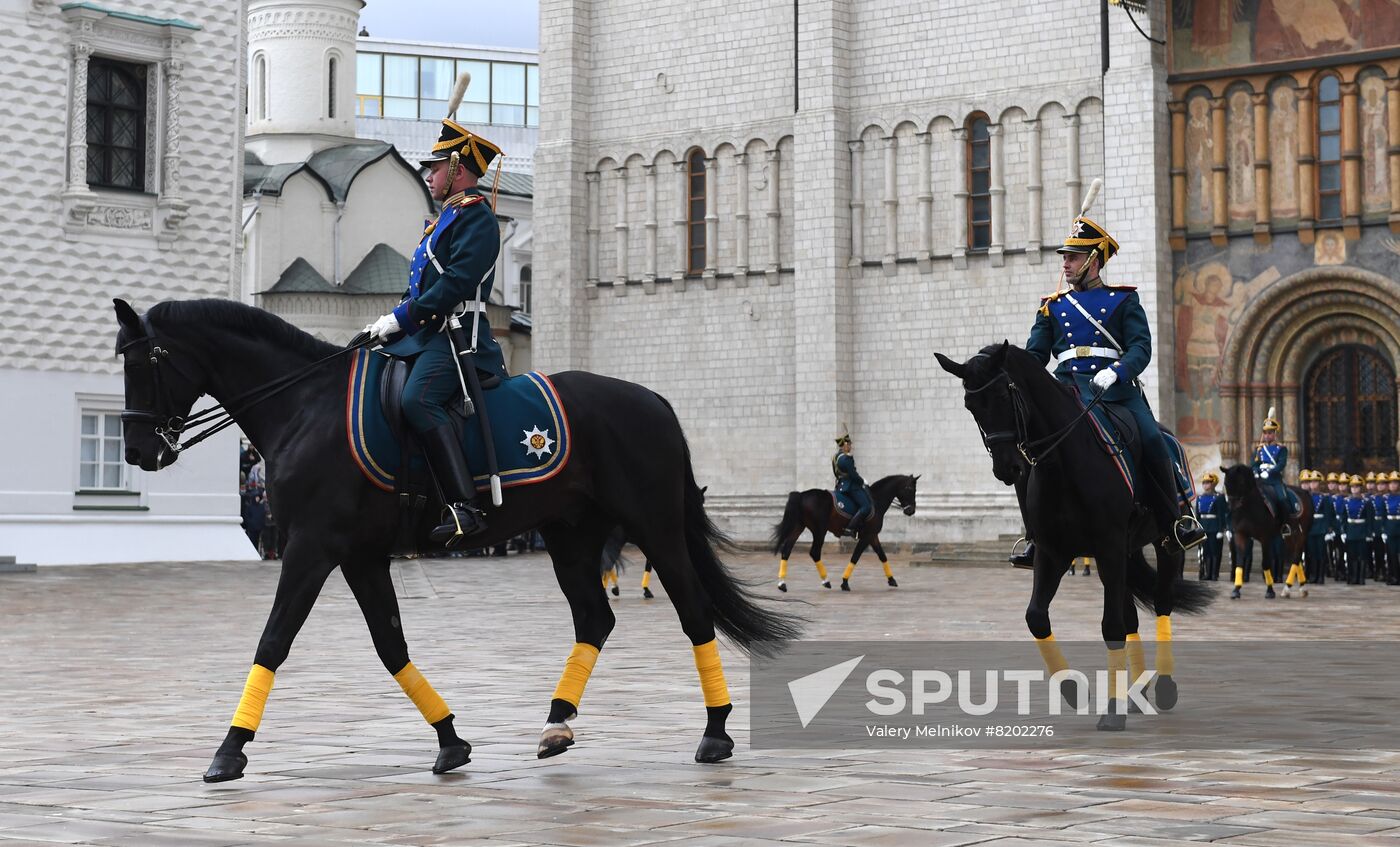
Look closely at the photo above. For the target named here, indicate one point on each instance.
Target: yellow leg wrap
(1052, 655)
(1137, 658)
(1239, 577)
(1117, 661)
(646, 578)
(250, 706)
(1166, 663)
(888, 573)
(1302, 574)
(422, 693)
(1268, 576)
(782, 569)
(821, 570)
(850, 569)
(577, 668)
(711, 674)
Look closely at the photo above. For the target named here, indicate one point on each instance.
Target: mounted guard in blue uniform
(850, 483)
(1100, 338)
(450, 276)
(1270, 461)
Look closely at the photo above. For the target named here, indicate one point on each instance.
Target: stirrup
(1188, 525)
(451, 531)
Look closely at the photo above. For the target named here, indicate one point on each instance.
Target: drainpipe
(501, 259)
(335, 239)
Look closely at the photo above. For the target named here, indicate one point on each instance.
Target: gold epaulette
(1120, 287)
(464, 200)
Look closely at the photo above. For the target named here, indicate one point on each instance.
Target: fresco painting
(1208, 35)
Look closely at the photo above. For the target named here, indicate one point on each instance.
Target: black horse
(1077, 503)
(630, 467)
(815, 510)
(1251, 519)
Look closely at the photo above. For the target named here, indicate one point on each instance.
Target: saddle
(528, 427)
(1118, 433)
(843, 505)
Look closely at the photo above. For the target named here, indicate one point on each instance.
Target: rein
(170, 428)
(1030, 450)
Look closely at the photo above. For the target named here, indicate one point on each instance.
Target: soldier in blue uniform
(1215, 520)
(1100, 338)
(1336, 547)
(850, 483)
(1270, 461)
(452, 272)
(1358, 523)
(1315, 554)
(1376, 484)
(1391, 535)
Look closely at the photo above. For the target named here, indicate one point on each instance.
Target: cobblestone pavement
(119, 682)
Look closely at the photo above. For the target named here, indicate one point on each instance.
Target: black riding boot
(461, 515)
(1026, 557)
(1183, 531)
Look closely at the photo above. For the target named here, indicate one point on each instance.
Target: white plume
(458, 91)
(1271, 412)
(1091, 195)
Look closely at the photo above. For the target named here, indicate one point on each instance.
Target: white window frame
(155, 215)
(132, 495)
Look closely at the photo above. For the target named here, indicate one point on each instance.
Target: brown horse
(815, 510)
(1252, 519)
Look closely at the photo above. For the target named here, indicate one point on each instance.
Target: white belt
(1356, 520)
(1086, 352)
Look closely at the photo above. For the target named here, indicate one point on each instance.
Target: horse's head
(905, 495)
(1239, 481)
(987, 395)
(161, 387)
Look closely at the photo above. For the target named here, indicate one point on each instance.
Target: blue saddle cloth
(528, 424)
(1110, 431)
(845, 504)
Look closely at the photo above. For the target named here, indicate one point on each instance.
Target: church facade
(119, 154)
(775, 225)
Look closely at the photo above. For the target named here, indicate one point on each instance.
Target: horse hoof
(451, 758)
(1235, 595)
(713, 750)
(226, 766)
(646, 594)
(555, 739)
(1134, 708)
(1086, 571)
(1303, 593)
(1112, 723)
(782, 586)
(892, 583)
(1269, 595)
(617, 592)
(845, 585)
(1165, 694)
(826, 583)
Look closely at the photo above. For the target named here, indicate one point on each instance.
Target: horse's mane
(1024, 362)
(235, 316)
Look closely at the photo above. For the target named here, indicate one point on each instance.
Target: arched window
(330, 87)
(527, 283)
(695, 214)
(979, 183)
(1329, 149)
(260, 88)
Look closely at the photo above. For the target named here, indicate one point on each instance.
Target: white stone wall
(870, 206)
(59, 272)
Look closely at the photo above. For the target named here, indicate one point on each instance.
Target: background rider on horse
(1100, 337)
(1270, 460)
(850, 483)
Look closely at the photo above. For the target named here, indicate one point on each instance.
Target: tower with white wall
(301, 76)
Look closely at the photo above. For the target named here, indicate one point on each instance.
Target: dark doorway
(1349, 395)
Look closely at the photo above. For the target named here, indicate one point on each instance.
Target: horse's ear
(1000, 355)
(1224, 469)
(916, 476)
(126, 316)
(950, 366)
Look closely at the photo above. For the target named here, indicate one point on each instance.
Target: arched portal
(1349, 397)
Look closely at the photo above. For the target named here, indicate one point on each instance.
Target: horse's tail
(1188, 598)
(612, 558)
(792, 519)
(737, 614)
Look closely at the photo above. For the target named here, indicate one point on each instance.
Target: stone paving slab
(120, 681)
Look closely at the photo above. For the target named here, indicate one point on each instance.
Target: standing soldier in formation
(1376, 484)
(1336, 549)
(1357, 520)
(1392, 529)
(1215, 520)
(1315, 555)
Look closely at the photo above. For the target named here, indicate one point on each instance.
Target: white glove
(1331, 536)
(1219, 535)
(384, 327)
(1105, 378)
(1229, 535)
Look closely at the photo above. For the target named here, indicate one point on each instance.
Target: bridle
(1030, 450)
(171, 427)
